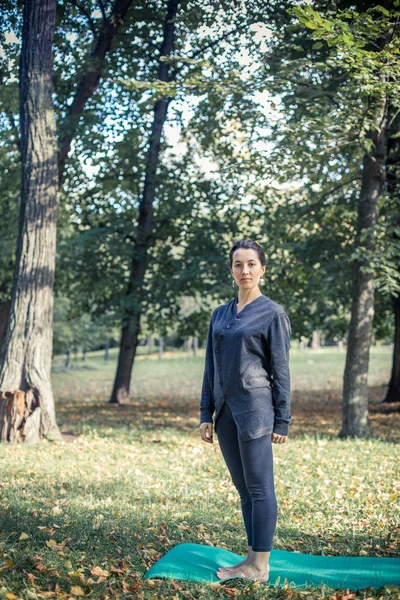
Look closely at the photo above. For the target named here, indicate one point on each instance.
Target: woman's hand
(206, 432)
(278, 439)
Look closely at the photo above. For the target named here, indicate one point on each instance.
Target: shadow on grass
(62, 551)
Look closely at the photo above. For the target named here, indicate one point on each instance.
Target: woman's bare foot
(249, 571)
(221, 571)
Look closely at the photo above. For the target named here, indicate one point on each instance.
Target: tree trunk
(393, 179)
(315, 341)
(160, 347)
(107, 353)
(355, 419)
(131, 318)
(31, 369)
(26, 402)
(4, 314)
(393, 393)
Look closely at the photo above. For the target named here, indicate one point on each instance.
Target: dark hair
(248, 244)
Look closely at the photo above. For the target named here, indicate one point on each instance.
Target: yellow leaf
(215, 586)
(9, 563)
(23, 536)
(11, 596)
(51, 543)
(74, 573)
(76, 590)
(100, 572)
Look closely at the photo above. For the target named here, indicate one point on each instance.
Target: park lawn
(89, 514)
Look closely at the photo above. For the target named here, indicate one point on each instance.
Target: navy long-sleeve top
(247, 365)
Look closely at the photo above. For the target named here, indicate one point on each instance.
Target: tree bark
(131, 318)
(393, 161)
(355, 419)
(26, 402)
(4, 314)
(393, 392)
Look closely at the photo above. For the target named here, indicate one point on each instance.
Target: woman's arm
(207, 405)
(278, 338)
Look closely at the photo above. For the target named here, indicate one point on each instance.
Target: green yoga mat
(195, 562)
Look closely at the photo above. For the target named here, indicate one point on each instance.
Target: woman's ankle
(260, 560)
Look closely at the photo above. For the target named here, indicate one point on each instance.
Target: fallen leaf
(100, 572)
(76, 590)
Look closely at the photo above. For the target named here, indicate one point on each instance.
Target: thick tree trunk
(355, 419)
(393, 393)
(26, 402)
(31, 370)
(4, 314)
(393, 179)
(131, 318)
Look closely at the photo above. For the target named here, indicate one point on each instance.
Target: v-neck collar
(235, 301)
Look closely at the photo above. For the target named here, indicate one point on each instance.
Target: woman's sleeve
(278, 339)
(207, 405)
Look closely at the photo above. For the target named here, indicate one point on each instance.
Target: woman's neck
(247, 296)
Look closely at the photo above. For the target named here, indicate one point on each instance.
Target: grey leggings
(251, 468)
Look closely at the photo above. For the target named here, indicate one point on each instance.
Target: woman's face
(246, 268)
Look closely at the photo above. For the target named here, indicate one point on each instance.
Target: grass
(88, 515)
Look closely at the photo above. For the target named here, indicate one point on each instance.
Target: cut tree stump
(20, 416)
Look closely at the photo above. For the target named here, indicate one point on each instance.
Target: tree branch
(90, 80)
(102, 9)
(207, 47)
(86, 14)
(306, 209)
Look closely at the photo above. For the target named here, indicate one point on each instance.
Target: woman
(247, 383)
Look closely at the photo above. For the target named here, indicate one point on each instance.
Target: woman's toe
(223, 572)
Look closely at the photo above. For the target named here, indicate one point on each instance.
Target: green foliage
(272, 132)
